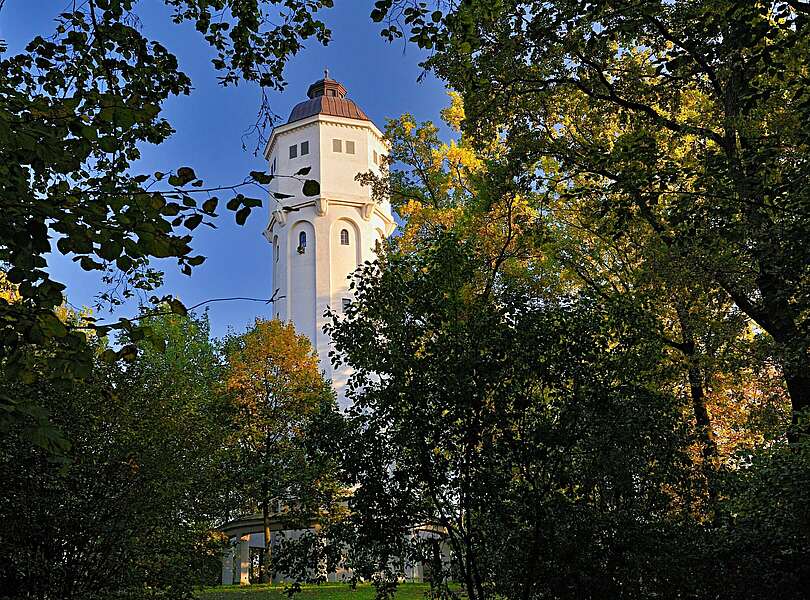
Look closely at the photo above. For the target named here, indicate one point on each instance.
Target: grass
(326, 591)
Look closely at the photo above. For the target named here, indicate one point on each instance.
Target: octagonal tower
(318, 241)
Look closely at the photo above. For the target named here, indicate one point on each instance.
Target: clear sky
(210, 124)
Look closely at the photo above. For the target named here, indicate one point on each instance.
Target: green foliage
(687, 120)
(77, 107)
(661, 152)
(762, 538)
(531, 433)
(128, 509)
(289, 423)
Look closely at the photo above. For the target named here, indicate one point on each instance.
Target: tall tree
(547, 248)
(530, 434)
(128, 509)
(725, 82)
(556, 244)
(282, 399)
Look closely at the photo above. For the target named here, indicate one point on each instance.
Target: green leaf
(242, 215)
(185, 175)
(193, 221)
(64, 245)
(210, 205)
(51, 326)
(128, 353)
(109, 356)
(123, 117)
(137, 334)
(303, 171)
(108, 144)
(88, 264)
(110, 250)
(177, 307)
(124, 263)
(311, 188)
(89, 133)
(261, 177)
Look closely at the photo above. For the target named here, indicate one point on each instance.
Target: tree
(128, 508)
(724, 82)
(555, 244)
(533, 434)
(77, 107)
(556, 254)
(284, 405)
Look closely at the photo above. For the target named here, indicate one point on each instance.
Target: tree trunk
(798, 386)
(695, 374)
(702, 419)
(781, 325)
(774, 313)
(266, 556)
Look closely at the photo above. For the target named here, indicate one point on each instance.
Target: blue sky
(209, 124)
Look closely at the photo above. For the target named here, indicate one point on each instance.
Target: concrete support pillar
(244, 560)
(227, 566)
(446, 559)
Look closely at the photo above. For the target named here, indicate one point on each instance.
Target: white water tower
(318, 241)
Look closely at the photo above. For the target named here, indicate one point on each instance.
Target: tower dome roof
(327, 97)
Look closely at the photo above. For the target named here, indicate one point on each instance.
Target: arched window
(302, 242)
(344, 237)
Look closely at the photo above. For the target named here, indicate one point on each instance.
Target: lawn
(327, 591)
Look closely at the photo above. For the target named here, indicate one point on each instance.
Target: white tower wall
(311, 280)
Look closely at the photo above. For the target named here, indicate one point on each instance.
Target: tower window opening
(273, 167)
(344, 237)
(349, 147)
(346, 304)
(293, 151)
(337, 146)
(302, 242)
(304, 148)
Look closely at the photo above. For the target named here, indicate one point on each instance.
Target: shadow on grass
(326, 591)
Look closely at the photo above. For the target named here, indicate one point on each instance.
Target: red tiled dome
(327, 97)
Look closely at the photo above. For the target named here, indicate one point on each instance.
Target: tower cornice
(366, 209)
(318, 119)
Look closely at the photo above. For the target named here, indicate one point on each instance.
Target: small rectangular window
(337, 146)
(293, 151)
(346, 303)
(273, 167)
(376, 158)
(304, 148)
(349, 147)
